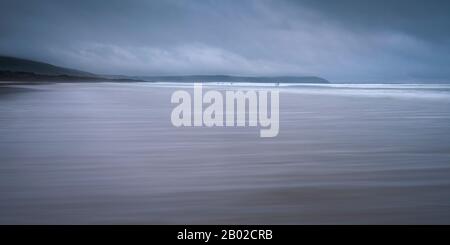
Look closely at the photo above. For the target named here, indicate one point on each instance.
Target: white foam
(418, 91)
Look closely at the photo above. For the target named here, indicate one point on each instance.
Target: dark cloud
(346, 40)
(427, 20)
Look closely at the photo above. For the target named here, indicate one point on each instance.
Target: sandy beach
(107, 153)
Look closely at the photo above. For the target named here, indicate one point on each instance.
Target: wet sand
(108, 154)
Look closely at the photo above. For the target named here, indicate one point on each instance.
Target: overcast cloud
(346, 40)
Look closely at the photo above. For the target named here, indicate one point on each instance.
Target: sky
(344, 41)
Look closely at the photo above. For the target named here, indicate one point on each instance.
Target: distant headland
(17, 69)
